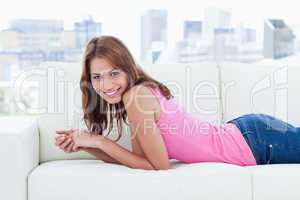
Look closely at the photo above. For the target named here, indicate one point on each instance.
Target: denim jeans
(270, 139)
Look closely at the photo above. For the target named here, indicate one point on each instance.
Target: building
(296, 31)
(215, 18)
(246, 35)
(9, 39)
(86, 30)
(189, 51)
(33, 41)
(279, 39)
(37, 35)
(153, 34)
(192, 30)
(225, 45)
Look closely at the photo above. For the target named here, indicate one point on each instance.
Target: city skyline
(132, 10)
(156, 35)
(211, 38)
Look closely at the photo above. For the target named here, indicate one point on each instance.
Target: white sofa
(33, 168)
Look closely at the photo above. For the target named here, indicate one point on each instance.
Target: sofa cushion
(276, 182)
(93, 180)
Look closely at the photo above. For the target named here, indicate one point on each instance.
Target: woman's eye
(96, 77)
(115, 73)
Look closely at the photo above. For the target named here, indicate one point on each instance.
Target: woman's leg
(270, 139)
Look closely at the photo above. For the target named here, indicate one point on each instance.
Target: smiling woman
(108, 79)
(160, 127)
(109, 71)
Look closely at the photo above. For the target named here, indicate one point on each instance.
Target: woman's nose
(107, 85)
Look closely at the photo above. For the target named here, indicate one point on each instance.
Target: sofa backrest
(195, 86)
(260, 88)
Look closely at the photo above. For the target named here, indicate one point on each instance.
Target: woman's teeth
(112, 93)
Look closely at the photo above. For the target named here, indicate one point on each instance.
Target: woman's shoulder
(141, 96)
(139, 91)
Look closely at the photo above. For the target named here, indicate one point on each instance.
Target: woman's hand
(85, 139)
(64, 141)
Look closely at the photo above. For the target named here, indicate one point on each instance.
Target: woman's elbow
(162, 167)
(156, 168)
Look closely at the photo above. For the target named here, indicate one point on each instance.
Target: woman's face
(108, 81)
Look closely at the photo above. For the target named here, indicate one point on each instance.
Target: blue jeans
(270, 139)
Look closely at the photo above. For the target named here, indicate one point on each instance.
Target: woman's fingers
(60, 136)
(61, 131)
(69, 148)
(65, 131)
(60, 140)
(65, 143)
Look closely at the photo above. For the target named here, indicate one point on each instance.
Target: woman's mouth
(113, 93)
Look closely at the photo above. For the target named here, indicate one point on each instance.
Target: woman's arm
(99, 154)
(123, 156)
(142, 125)
(108, 150)
(141, 116)
(67, 145)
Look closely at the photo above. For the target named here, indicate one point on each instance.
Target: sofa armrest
(19, 154)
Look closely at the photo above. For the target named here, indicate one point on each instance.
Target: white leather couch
(33, 168)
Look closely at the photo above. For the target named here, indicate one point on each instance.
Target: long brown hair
(98, 114)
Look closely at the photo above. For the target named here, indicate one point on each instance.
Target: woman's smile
(113, 93)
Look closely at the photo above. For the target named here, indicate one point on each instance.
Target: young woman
(114, 87)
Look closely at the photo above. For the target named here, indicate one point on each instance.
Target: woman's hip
(270, 139)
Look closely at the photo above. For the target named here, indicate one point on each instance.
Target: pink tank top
(190, 139)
